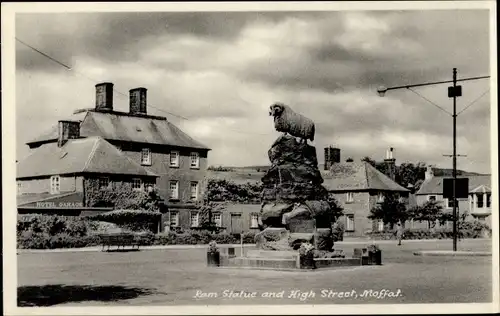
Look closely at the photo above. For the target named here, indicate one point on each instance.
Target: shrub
(465, 230)
(135, 220)
(248, 237)
(225, 238)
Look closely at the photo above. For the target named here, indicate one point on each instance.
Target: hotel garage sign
(72, 200)
(59, 204)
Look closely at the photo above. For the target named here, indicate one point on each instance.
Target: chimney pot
(104, 96)
(138, 101)
(332, 156)
(67, 130)
(429, 173)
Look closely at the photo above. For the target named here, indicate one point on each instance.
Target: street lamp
(453, 92)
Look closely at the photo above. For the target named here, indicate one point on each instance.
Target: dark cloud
(331, 66)
(115, 37)
(218, 68)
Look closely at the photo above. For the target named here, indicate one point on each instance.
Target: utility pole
(453, 92)
(454, 159)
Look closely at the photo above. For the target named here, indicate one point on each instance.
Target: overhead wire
(473, 102)
(67, 67)
(442, 109)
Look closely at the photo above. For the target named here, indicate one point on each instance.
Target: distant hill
(437, 171)
(241, 175)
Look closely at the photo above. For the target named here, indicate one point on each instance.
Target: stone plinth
(284, 261)
(272, 254)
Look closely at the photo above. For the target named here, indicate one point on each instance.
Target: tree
(369, 160)
(430, 211)
(392, 210)
(406, 173)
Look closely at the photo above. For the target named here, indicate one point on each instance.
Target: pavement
(346, 241)
(444, 253)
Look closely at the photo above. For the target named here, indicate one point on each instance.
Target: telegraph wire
(429, 101)
(117, 91)
(470, 104)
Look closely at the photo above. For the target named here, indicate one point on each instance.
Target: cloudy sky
(221, 71)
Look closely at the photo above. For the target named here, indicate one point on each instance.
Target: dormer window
(174, 159)
(146, 156)
(195, 160)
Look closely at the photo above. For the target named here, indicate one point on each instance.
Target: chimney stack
(138, 104)
(332, 156)
(391, 163)
(104, 96)
(429, 173)
(67, 130)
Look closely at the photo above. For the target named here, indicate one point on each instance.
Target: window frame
(488, 200)
(217, 223)
(176, 189)
(197, 165)
(380, 197)
(197, 193)
(379, 224)
(101, 187)
(177, 159)
(197, 219)
(53, 182)
(149, 159)
(349, 197)
(347, 218)
(19, 187)
(447, 203)
(174, 214)
(252, 217)
(141, 186)
(480, 199)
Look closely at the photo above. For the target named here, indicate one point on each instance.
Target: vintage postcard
(250, 158)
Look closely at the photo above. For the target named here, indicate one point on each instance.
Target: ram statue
(289, 122)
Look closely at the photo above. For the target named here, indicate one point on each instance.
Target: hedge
(50, 232)
(410, 234)
(131, 219)
(30, 240)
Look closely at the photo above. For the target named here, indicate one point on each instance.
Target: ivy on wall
(120, 195)
(224, 191)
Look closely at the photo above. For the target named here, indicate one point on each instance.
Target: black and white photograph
(250, 157)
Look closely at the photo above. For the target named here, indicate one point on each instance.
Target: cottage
(358, 187)
(477, 205)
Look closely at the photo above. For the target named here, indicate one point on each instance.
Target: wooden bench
(119, 240)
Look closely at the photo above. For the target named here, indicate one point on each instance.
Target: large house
(358, 187)
(153, 143)
(477, 205)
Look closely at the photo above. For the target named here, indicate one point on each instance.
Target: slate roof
(353, 176)
(123, 127)
(84, 155)
(434, 185)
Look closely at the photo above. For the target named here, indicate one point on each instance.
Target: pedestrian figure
(399, 233)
